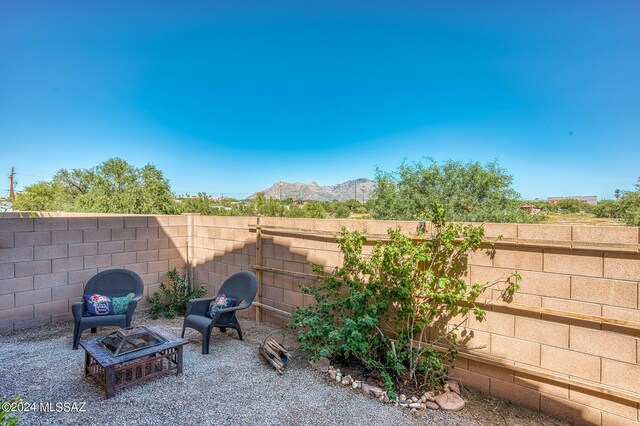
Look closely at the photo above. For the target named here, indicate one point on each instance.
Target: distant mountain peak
(359, 189)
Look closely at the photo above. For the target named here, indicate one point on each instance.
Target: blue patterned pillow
(98, 305)
(121, 304)
(220, 302)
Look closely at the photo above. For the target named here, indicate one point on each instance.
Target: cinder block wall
(567, 343)
(222, 246)
(45, 262)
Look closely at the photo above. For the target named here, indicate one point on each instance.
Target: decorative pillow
(121, 304)
(98, 305)
(220, 302)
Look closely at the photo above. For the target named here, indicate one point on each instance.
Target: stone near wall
(449, 401)
(322, 364)
(432, 405)
(454, 386)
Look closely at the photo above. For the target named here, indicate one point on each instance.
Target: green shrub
(173, 297)
(6, 417)
(380, 308)
(607, 209)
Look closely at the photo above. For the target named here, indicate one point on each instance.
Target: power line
(25, 174)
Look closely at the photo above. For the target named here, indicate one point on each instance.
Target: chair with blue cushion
(241, 286)
(110, 283)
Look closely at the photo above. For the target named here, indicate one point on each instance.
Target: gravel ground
(231, 385)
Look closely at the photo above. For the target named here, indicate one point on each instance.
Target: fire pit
(132, 355)
(127, 340)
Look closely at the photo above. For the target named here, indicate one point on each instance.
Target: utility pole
(12, 195)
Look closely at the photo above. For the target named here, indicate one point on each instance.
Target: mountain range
(359, 189)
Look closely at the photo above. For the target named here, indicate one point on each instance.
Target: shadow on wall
(45, 262)
(508, 363)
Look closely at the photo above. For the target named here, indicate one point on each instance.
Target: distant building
(530, 208)
(589, 199)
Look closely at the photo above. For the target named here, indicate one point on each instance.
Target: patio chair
(111, 283)
(241, 286)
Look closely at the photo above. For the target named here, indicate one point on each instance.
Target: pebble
(416, 405)
(347, 380)
(365, 388)
(414, 399)
(432, 405)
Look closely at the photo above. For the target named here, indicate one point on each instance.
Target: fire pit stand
(117, 372)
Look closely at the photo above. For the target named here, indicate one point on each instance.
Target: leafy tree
(625, 207)
(356, 206)
(43, 196)
(313, 210)
(202, 204)
(114, 186)
(341, 211)
(379, 308)
(546, 206)
(630, 206)
(571, 205)
(607, 208)
(336, 209)
(469, 192)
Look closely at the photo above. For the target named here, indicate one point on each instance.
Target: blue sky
(235, 95)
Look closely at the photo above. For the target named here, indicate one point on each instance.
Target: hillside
(362, 188)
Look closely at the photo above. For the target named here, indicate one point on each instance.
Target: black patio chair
(111, 283)
(242, 286)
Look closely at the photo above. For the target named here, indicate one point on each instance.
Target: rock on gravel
(322, 364)
(450, 401)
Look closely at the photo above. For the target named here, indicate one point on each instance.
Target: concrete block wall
(567, 344)
(571, 277)
(45, 262)
(222, 246)
(579, 281)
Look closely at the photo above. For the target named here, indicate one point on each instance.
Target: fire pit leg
(110, 379)
(179, 360)
(86, 363)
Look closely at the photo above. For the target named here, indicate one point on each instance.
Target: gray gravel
(231, 385)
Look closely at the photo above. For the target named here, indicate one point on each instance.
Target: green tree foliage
(630, 207)
(469, 192)
(546, 206)
(114, 186)
(205, 205)
(313, 210)
(7, 417)
(337, 209)
(571, 205)
(43, 196)
(626, 206)
(379, 308)
(607, 208)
